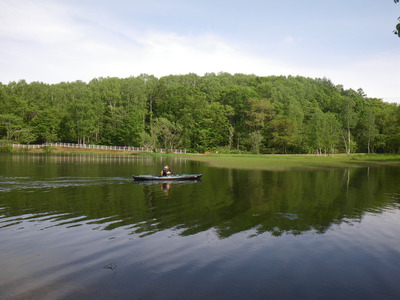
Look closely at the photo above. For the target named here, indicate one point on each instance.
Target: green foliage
(167, 132)
(48, 149)
(255, 141)
(323, 132)
(47, 125)
(215, 112)
(5, 147)
(10, 124)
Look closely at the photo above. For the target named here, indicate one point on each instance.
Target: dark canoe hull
(180, 177)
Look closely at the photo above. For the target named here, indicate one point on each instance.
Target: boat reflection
(166, 185)
(170, 182)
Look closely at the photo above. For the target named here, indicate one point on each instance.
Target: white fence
(97, 147)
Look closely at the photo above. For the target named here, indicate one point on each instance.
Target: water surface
(78, 227)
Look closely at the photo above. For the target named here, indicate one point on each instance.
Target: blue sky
(351, 42)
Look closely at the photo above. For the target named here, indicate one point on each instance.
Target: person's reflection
(165, 186)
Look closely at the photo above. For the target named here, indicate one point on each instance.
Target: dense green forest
(215, 112)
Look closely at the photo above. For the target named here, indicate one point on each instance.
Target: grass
(285, 162)
(260, 161)
(68, 150)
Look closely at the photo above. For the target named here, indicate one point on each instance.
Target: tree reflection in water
(227, 200)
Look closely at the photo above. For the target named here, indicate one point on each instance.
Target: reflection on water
(10, 184)
(87, 189)
(98, 158)
(77, 226)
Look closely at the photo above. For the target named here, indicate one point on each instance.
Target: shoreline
(251, 161)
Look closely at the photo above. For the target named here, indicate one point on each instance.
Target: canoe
(174, 177)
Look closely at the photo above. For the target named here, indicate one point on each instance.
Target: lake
(78, 227)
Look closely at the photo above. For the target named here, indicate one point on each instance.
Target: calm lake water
(78, 227)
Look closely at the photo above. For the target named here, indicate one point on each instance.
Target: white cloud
(49, 42)
(289, 40)
(56, 48)
(40, 22)
(377, 76)
(169, 53)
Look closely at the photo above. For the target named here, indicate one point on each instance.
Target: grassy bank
(287, 162)
(284, 162)
(68, 150)
(253, 161)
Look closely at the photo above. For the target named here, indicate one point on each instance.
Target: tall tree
(238, 97)
(150, 87)
(315, 131)
(212, 130)
(255, 139)
(369, 129)
(168, 133)
(46, 125)
(79, 122)
(323, 132)
(283, 134)
(259, 112)
(331, 132)
(11, 124)
(349, 121)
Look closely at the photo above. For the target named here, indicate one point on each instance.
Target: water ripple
(10, 184)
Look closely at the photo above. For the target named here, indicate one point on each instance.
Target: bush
(48, 149)
(5, 147)
(227, 150)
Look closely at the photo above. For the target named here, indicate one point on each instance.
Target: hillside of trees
(215, 112)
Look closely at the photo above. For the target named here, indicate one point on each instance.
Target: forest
(222, 113)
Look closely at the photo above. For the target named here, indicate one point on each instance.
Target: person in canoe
(166, 171)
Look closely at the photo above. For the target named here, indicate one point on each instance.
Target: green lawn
(264, 161)
(285, 162)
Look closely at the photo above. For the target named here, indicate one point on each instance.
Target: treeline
(215, 112)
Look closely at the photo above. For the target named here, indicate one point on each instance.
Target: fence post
(102, 147)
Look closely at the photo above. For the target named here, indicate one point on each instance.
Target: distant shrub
(48, 149)
(227, 150)
(5, 147)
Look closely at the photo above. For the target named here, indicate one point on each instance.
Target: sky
(350, 42)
